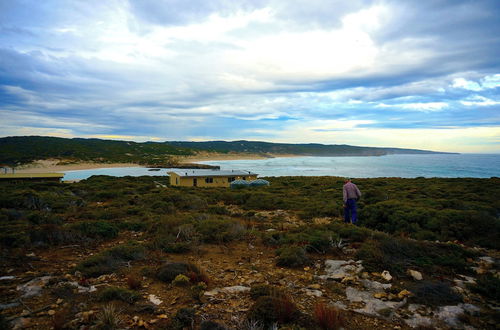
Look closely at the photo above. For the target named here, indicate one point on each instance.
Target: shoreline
(51, 166)
(54, 166)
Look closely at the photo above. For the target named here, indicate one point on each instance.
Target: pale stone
(386, 275)
(372, 305)
(404, 293)
(235, 289)
(33, 287)
(338, 269)
(313, 293)
(374, 285)
(51, 312)
(154, 299)
(417, 276)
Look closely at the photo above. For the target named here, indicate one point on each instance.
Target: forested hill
(311, 149)
(25, 149)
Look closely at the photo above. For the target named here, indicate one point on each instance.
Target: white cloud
(423, 106)
(466, 84)
(478, 100)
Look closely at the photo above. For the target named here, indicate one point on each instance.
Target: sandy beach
(54, 165)
(50, 166)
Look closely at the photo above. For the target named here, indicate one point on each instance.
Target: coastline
(54, 166)
(51, 166)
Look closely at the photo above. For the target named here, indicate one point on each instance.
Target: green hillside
(19, 150)
(310, 149)
(25, 149)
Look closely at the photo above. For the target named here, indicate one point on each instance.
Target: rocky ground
(41, 289)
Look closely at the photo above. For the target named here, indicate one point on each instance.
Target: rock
(372, 305)
(235, 289)
(7, 278)
(416, 320)
(487, 260)
(349, 279)
(59, 301)
(314, 286)
(154, 299)
(33, 287)
(386, 275)
(229, 289)
(404, 293)
(313, 293)
(375, 286)
(9, 305)
(451, 314)
(417, 276)
(338, 269)
(51, 312)
(380, 295)
(83, 289)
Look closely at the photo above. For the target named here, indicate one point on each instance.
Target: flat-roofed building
(208, 178)
(40, 177)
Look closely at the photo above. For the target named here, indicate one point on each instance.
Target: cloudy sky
(419, 74)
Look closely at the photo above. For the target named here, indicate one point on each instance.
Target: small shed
(208, 178)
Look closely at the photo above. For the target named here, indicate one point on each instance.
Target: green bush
(95, 229)
(271, 309)
(110, 260)
(169, 271)
(397, 255)
(488, 286)
(262, 290)
(117, 293)
(292, 256)
(434, 294)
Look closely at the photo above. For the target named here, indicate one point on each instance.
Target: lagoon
(404, 166)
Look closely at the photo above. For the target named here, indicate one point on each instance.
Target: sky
(416, 74)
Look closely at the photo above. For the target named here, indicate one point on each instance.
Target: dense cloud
(291, 71)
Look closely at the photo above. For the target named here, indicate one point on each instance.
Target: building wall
(217, 181)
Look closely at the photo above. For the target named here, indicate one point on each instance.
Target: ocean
(404, 166)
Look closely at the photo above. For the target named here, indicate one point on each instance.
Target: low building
(208, 178)
(39, 177)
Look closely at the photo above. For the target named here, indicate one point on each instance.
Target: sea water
(404, 166)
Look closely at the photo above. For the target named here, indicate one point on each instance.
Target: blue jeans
(350, 211)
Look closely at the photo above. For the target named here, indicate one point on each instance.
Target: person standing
(351, 195)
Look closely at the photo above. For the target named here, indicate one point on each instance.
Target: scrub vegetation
(157, 236)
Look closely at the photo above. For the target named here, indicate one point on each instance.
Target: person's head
(346, 180)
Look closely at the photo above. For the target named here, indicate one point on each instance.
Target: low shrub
(271, 309)
(180, 280)
(117, 293)
(488, 286)
(328, 317)
(184, 317)
(398, 254)
(110, 260)
(169, 271)
(197, 290)
(95, 229)
(262, 290)
(434, 294)
(211, 325)
(292, 256)
(109, 318)
(134, 281)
